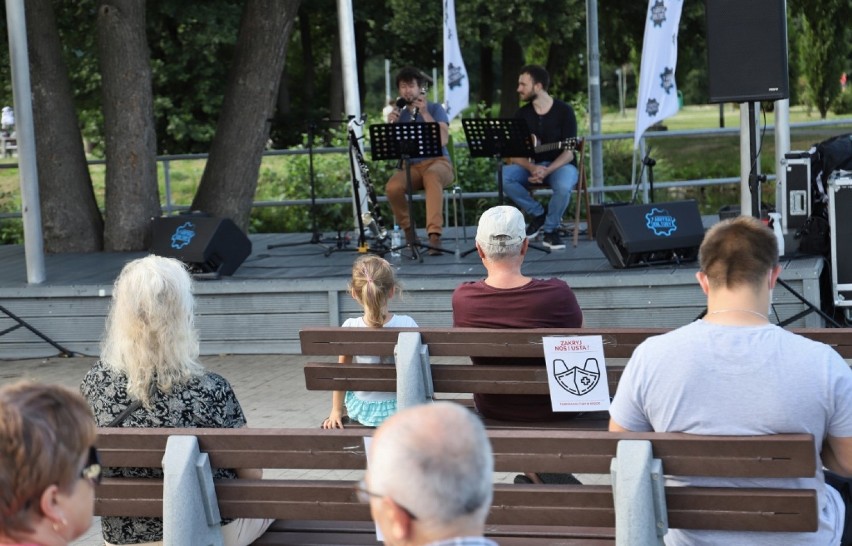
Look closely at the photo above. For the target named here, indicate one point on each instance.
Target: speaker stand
(21, 323)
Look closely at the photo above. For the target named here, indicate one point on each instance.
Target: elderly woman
(149, 376)
(48, 465)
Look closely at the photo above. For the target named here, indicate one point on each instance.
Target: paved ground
(270, 388)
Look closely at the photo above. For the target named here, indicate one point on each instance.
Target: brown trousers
(431, 176)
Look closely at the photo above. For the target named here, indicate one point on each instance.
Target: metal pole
(745, 161)
(387, 81)
(352, 100)
(25, 129)
(594, 91)
(782, 146)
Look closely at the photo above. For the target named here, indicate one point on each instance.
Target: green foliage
(843, 103)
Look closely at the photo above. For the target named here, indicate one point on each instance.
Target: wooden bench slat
(446, 378)
(777, 456)
(737, 509)
(618, 342)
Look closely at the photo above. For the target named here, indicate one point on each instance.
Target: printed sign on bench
(576, 373)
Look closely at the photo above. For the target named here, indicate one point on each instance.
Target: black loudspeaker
(652, 233)
(207, 244)
(747, 50)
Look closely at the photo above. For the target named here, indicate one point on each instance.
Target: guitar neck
(567, 144)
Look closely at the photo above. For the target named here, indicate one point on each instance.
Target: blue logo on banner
(183, 235)
(652, 107)
(661, 222)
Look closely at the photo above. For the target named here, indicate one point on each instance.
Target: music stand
(499, 138)
(404, 142)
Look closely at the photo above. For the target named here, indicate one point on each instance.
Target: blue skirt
(370, 414)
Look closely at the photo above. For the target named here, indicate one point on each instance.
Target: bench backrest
(617, 342)
(514, 451)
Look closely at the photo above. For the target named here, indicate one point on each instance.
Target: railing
(169, 207)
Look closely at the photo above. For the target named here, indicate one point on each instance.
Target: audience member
(373, 285)
(734, 373)
(507, 298)
(48, 465)
(429, 478)
(149, 376)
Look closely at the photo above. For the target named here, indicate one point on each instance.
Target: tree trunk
(336, 104)
(130, 144)
(308, 66)
(486, 75)
(230, 178)
(70, 218)
(513, 60)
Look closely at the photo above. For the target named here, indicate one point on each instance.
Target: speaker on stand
(747, 62)
(210, 246)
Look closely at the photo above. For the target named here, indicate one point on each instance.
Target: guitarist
(551, 121)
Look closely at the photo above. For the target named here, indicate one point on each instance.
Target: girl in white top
(373, 285)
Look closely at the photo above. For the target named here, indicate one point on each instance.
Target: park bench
(310, 510)
(463, 343)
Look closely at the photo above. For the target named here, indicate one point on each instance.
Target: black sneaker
(535, 225)
(553, 241)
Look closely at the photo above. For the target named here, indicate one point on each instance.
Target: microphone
(401, 102)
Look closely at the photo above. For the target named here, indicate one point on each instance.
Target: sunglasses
(93, 470)
(364, 495)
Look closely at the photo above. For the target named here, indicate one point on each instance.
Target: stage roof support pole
(594, 69)
(25, 131)
(782, 146)
(351, 94)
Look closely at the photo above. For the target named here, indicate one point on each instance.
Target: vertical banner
(657, 89)
(456, 84)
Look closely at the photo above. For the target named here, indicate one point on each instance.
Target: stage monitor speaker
(651, 234)
(747, 50)
(209, 245)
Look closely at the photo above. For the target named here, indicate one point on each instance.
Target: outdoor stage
(276, 292)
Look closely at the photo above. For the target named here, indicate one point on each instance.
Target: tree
(230, 177)
(71, 221)
(823, 47)
(132, 196)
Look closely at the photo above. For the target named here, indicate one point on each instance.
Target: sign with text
(576, 373)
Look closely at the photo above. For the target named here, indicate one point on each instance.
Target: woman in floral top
(150, 354)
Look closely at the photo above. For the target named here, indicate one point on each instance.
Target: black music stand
(404, 142)
(499, 138)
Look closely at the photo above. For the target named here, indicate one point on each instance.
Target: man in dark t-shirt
(508, 299)
(554, 125)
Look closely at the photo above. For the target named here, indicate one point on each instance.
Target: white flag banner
(456, 84)
(657, 88)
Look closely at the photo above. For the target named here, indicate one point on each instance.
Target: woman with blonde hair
(48, 465)
(373, 285)
(149, 376)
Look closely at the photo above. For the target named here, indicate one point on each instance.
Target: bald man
(429, 480)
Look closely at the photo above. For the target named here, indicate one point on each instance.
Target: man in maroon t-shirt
(508, 299)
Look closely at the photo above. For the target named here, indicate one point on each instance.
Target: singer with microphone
(431, 174)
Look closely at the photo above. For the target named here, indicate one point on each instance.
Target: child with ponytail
(373, 285)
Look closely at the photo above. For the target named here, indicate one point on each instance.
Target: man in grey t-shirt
(734, 373)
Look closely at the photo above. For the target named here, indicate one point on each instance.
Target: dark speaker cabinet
(207, 244)
(747, 50)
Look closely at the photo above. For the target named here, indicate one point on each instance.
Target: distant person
(7, 121)
(429, 478)
(149, 376)
(506, 298)
(733, 373)
(551, 121)
(49, 466)
(429, 174)
(373, 285)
